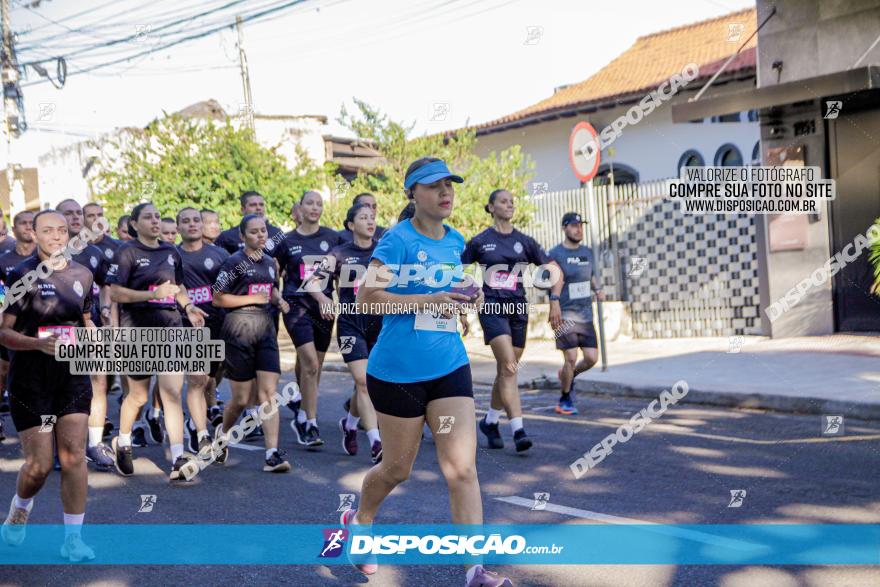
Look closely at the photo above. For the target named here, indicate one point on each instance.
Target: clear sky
(484, 58)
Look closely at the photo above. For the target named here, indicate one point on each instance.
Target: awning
(832, 84)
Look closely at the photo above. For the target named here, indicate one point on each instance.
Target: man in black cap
(575, 301)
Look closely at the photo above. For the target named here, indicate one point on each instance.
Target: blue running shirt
(404, 354)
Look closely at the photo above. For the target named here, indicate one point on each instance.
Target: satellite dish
(583, 151)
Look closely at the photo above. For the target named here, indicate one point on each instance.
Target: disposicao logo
(334, 542)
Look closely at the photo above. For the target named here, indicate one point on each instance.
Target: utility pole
(11, 125)
(245, 77)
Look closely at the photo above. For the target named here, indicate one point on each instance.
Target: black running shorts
(149, 318)
(305, 325)
(577, 335)
(251, 344)
(410, 400)
(40, 386)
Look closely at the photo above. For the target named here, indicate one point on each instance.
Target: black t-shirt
(8, 262)
(241, 275)
(108, 246)
(142, 268)
(53, 303)
(300, 256)
(346, 236)
(6, 244)
(510, 253)
(230, 240)
(350, 259)
(200, 269)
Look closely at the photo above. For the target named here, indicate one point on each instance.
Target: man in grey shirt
(576, 303)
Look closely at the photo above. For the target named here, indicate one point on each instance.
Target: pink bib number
(503, 280)
(64, 333)
(166, 300)
(260, 288)
(200, 295)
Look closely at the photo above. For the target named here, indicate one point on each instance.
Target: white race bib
(436, 322)
(579, 290)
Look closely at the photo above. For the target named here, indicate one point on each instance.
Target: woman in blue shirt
(418, 370)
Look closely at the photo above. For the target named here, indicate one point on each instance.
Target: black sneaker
(177, 470)
(276, 463)
(154, 428)
(255, 434)
(295, 407)
(206, 449)
(521, 440)
(124, 461)
(138, 437)
(493, 435)
(192, 436)
(299, 429)
(108, 428)
(215, 416)
(220, 454)
(313, 437)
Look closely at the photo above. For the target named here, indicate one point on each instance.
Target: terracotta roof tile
(652, 59)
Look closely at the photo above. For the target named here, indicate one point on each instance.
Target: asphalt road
(680, 469)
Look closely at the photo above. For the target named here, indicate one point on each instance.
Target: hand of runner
(260, 298)
(47, 345)
(600, 295)
(465, 325)
(196, 316)
(325, 307)
(165, 290)
(555, 315)
(447, 298)
(283, 306)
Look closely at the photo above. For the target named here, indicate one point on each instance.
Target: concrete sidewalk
(837, 374)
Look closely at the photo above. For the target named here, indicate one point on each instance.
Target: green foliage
(511, 170)
(874, 259)
(177, 162)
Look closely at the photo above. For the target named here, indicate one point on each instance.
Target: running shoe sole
(565, 411)
(76, 558)
(344, 448)
(282, 467)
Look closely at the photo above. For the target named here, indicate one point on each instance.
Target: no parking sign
(583, 151)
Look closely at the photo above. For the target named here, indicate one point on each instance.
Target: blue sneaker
(566, 406)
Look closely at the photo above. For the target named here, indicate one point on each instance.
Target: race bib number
(306, 271)
(579, 290)
(435, 322)
(165, 300)
(503, 280)
(260, 288)
(200, 295)
(357, 286)
(64, 333)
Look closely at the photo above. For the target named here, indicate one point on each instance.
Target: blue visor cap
(430, 173)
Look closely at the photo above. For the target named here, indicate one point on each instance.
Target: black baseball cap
(572, 218)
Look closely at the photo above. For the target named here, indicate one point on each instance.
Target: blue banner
(564, 544)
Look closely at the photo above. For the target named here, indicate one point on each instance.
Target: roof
(641, 68)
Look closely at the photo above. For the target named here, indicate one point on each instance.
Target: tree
(511, 170)
(177, 162)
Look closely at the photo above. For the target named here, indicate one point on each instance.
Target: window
(753, 115)
(691, 158)
(623, 174)
(756, 154)
(728, 156)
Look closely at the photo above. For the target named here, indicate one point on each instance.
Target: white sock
(176, 451)
(123, 439)
(351, 422)
(373, 435)
(301, 416)
(202, 434)
(492, 417)
(22, 503)
(155, 413)
(73, 524)
(313, 421)
(515, 424)
(96, 433)
(470, 573)
(269, 452)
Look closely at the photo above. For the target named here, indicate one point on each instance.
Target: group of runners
(407, 360)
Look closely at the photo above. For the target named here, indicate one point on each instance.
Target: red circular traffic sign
(583, 151)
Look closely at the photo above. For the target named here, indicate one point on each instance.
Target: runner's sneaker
(220, 454)
(299, 428)
(154, 427)
(108, 428)
(376, 452)
(15, 526)
(521, 440)
(192, 436)
(177, 470)
(138, 436)
(313, 437)
(215, 416)
(566, 406)
(484, 578)
(206, 449)
(101, 455)
(365, 564)
(116, 387)
(254, 434)
(349, 438)
(124, 462)
(493, 435)
(75, 550)
(276, 463)
(294, 407)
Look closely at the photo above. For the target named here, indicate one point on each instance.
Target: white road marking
(654, 526)
(247, 447)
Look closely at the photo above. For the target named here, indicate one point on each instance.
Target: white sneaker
(14, 527)
(75, 550)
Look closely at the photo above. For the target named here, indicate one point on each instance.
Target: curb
(727, 399)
